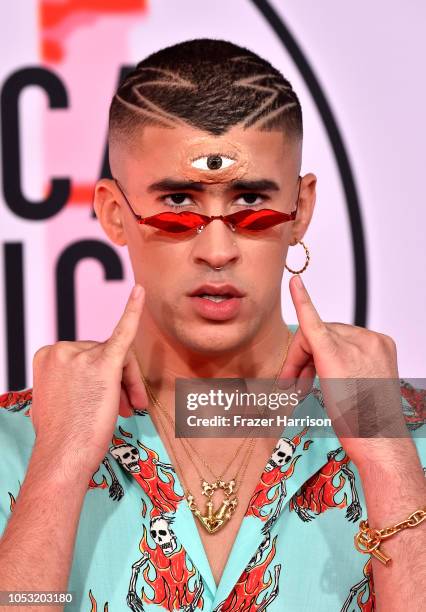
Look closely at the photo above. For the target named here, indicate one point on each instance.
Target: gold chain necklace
(212, 520)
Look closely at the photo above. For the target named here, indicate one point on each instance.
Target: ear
(305, 208)
(109, 211)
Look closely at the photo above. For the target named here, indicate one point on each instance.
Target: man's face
(165, 170)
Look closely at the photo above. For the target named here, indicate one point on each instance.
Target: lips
(225, 289)
(218, 302)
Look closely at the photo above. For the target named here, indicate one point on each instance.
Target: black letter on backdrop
(65, 280)
(14, 311)
(11, 162)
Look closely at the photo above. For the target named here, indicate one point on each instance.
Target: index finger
(298, 356)
(310, 322)
(299, 362)
(125, 330)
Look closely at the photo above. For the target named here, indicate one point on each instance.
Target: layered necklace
(212, 519)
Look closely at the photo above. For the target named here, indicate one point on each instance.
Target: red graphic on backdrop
(53, 14)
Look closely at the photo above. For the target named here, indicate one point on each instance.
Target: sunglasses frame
(231, 219)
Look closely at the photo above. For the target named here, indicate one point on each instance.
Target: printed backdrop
(357, 71)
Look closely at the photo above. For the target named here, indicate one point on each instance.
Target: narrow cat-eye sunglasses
(184, 221)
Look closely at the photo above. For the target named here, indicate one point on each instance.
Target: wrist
(58, 470)
(390, 459)
(393, 491)
(405, 472)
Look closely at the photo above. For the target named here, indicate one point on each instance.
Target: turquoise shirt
(138, 547)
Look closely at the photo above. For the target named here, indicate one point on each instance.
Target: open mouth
(216, 298)
(219, 302)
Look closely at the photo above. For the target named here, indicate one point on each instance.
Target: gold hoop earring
(306, 262)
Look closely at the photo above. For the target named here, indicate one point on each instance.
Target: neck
(163, 359)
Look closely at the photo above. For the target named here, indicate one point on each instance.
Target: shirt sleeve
(16, 441)
(413, 399)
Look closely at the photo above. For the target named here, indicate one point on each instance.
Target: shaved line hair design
(208, 84)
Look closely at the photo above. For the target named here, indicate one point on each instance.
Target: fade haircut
(208, 84)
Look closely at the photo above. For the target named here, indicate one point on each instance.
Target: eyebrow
(169, 184)
(255, 185)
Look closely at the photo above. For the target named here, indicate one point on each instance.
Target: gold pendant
(213, 520)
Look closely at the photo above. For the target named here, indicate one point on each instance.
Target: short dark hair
(209, 84)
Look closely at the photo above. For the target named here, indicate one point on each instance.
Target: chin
(214, 337)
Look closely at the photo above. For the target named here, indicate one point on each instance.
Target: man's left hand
(351, 354)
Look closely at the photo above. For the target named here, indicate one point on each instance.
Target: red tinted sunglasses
(253, 220)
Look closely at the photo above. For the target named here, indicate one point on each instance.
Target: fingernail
(298, 282)
(282, 383)
(137, 290)
(285, 383)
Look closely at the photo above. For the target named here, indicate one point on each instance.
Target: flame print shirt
(138, 548)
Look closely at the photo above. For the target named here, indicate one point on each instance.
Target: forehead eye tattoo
(212, 162)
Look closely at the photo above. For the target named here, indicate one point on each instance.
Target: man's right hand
(79, 388)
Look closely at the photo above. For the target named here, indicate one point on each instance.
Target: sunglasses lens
(253, 220)
(175, 223)
(257, 220)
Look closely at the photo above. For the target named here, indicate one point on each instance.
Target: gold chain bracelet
(368, 540)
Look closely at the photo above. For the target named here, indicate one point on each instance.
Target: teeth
(215, 298)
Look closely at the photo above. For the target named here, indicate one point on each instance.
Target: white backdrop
(368, 60)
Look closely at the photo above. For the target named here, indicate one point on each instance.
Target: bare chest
(218, 545)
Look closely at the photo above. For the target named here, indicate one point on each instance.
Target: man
(110, 505)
